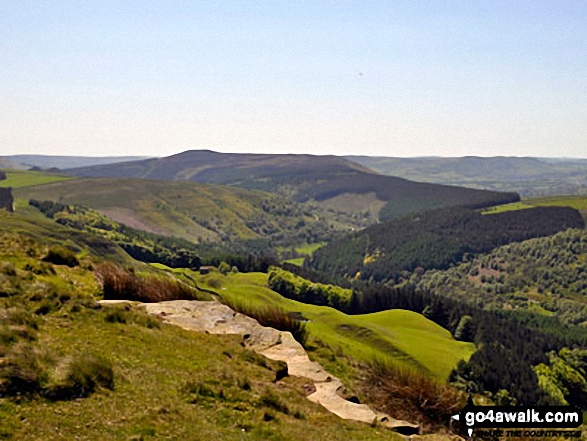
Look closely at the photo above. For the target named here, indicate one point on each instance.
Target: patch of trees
(6, 199)
(435, 240)
(296, 288)
(49, 208)
(564, 377)
(2, 175)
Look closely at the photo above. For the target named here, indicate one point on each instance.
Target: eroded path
(216, 318)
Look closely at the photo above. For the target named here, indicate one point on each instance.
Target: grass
(306, 249)
(412, 395)
(577, 202)
(107, 373)
(25, 178)
(157, 373)
(309, 248)
(298, 261)
(273, 317)
(403, 337)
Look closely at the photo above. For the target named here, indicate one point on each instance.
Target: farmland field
(577, 202)
(25, 178)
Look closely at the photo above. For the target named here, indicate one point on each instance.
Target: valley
(423, 297)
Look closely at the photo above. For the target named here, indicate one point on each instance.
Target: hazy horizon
(325, 154)
(376, 78)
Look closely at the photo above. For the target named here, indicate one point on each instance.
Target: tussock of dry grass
(273, 317)
(408, 394)
(120, 284)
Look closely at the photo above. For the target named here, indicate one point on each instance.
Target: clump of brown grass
(409, 394)
(274, 317)
(120, 284)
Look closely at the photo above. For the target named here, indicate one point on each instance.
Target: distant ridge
(527, 176)
(62, 162)
(303, 178)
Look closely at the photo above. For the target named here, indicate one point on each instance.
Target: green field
(577, 202)
(305, 249)
(25, 178)
(308, 249)
(401, 336)
(298, 261)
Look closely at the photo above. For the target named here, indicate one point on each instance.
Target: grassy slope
(33, 224)
(577, 202)
(306, 250)
(151, 366)
(402, 336)
(299, 261)
(163, 207)
(24, 178)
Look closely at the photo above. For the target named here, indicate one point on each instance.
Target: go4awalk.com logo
(526, 419)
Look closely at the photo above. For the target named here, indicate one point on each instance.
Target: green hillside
(196, 212)
(322, 179)
(26, 178)
(402, 336)
(70, 367)
(29, 222)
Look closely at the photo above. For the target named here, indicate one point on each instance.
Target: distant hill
(525, 175)
(61, 162)
(7, 164)
(251, 170)
(332, 181)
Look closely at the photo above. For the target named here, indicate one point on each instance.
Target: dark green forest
(435, 240)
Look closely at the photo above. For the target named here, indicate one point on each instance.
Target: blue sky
(394, 78)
